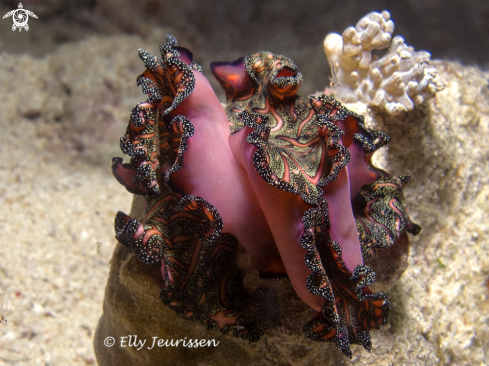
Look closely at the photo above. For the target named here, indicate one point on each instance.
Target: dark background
(228, 29)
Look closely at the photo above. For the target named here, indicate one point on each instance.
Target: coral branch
(396, 82)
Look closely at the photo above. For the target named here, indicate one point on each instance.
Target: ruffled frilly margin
(350, 309)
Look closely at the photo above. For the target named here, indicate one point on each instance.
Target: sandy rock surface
(58, 198)
(61, 117)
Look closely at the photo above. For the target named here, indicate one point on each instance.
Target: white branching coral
(396, 82)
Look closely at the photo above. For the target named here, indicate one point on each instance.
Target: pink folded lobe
(296, 155)
(124, 175)
(359, 172)
(283, 212)
(180, 160)
(343, 226)
(211, 172)
(340, 193)
(233, 77)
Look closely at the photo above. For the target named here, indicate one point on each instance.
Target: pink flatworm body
(287, 177)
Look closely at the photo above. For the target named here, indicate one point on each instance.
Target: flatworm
(289, 178)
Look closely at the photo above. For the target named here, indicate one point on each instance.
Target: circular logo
(109, 341)
(20, 18)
